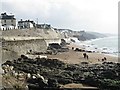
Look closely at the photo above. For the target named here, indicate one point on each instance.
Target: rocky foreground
(51, 73)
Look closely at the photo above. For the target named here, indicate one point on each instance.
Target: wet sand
(74, 57)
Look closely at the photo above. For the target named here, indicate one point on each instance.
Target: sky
(89, 15)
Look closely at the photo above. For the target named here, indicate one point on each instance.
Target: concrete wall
(13, 49)
(22, 41)
(8, 55)
(23, 46)
(53, 41)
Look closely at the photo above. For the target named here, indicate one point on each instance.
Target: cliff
(89, 35)
(39, 33)
(81, 35)
(21, 41)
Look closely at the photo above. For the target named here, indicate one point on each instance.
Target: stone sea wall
(53, 41)
(24, 46)
(8, 55)
(20, 41)
(12, 49)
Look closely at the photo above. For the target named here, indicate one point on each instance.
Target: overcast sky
(89, 15)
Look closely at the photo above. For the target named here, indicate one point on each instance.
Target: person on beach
(105, 58)
(102, 60)
(84, 55)
(98, 59)
(72, 48)
(87, 57)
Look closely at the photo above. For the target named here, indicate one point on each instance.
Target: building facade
(44, 26)
(7, 22)
(25, 24)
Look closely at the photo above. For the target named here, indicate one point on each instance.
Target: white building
(7, 22)
(26, 24)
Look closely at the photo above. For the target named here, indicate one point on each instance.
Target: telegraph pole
(37, 20)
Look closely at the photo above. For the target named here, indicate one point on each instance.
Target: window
(5, 21)
(12, 20)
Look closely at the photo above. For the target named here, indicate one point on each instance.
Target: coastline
(107, 49)
(97, 54)
(75, 57)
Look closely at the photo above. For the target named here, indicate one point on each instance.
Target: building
(44, 26)
(27, 24)
(7, 22)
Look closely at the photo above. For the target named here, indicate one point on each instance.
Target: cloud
(27, 7)
(94, 15)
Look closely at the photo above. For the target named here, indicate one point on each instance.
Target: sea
(106, 45)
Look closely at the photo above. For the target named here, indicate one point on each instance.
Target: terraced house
(7, 22)
(27, 24)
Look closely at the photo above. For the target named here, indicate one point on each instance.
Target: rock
(24, 57)
(49, 73)
(37, 81)
(64, 81)
(85, 63)
(8, 63)
(52, 82)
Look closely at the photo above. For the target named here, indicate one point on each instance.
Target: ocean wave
(106, 45)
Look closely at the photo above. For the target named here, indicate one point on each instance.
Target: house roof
(25, 21)
(5, 16)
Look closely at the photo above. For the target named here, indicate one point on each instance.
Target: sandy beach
(74, 57)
